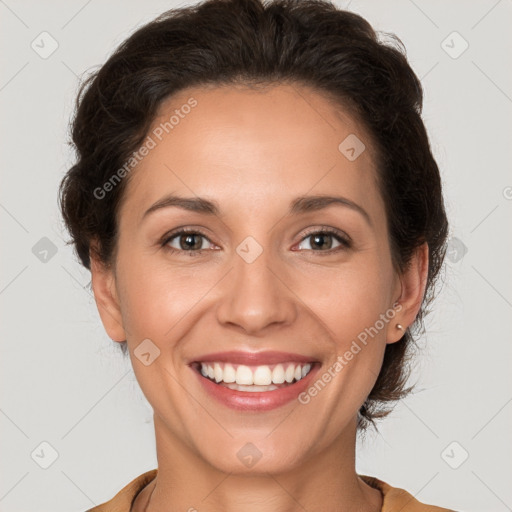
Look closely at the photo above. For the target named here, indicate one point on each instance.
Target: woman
(263, 219)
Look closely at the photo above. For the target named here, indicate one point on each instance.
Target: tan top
(394, 499)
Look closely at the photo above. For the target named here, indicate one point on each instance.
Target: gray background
(65, 383)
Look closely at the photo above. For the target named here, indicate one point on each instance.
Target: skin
(253, 152)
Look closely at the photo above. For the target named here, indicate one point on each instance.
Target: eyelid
(343, 238)
(178, 231)
(329, 230)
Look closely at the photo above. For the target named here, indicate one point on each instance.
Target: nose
(257, 295)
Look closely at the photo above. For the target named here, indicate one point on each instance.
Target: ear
(412, 283)
(104, 288)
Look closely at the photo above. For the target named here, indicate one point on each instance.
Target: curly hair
(254, 42)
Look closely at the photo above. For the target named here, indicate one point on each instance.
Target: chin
(258, 457)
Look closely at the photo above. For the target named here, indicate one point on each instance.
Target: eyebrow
(299, 205)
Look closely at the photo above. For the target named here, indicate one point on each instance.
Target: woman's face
(266, 280)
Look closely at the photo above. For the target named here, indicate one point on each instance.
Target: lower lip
(257, 401)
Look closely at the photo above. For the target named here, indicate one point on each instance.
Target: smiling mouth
(254, 379)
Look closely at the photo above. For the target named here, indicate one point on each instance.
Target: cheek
(155, 296)
(158, 293)
(347, 299)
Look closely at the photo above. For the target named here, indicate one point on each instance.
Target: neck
(326, 482)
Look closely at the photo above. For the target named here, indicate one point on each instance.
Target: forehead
(273, 142)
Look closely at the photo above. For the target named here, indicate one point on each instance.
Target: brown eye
(322, 240)
(186, 241)
(190, 241)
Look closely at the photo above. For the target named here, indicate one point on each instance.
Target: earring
(399, 326)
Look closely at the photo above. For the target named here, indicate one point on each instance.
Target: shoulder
(123, 500)
(395, 498)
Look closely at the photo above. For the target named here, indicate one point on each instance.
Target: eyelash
(344, 240)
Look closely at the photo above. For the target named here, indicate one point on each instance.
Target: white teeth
(290, 373)
(278, 374)
(244, 375)
(305, 370)
(255, 377)
(229, 374)
(263, 376)
(217, 371)
(251, 389)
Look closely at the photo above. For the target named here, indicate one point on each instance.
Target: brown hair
(310, 42)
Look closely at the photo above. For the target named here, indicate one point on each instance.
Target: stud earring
(399, 326)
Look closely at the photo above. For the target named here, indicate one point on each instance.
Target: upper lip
(253, 358)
